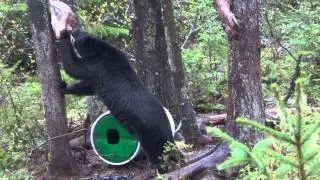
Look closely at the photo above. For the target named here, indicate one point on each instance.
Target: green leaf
(107, 31)
(4, 7)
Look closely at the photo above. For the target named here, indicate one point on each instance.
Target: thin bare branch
(293, 79)
(277, 40)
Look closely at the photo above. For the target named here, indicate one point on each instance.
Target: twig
(293, 79)
(298, 140)
(277, 40)
(56, 137)
(18, 119)
(191, 31)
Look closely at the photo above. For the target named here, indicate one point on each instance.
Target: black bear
(105, 71)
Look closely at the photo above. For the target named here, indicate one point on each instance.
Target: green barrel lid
(112, 142)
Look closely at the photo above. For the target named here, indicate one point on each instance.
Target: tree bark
(60, 162)
(244, 93)
(159, 62)
(151, 53)
(95, 107)
(190, 129)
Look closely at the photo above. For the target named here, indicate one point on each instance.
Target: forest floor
(94, 168)
(91, 167)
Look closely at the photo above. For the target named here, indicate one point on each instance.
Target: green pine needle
(314, 169)
(310, 154)
(216, 132)
(258, 152)
(283, 158)
(277, 134)
(282, 170)
(310, 132)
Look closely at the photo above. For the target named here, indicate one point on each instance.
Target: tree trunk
(244, 94)
(186, 115)
(60, 162)
(151, 52)
(95, 107)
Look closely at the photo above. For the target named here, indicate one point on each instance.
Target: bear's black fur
(105, 71)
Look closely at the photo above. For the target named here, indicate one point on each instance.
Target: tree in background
(151, 53)
(159, 62)
(186, 114)
(295, 25)
(241, 19)
(60, 162)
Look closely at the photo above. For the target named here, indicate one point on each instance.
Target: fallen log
(210, 119)
(208, 162)
(219, 119)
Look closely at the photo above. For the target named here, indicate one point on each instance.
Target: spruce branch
(283, 113)
(216, 132)
(277, 134)
(283, 158)
(310, 132)
(282, 170)
(298, 130)
(310, 155)
(314, 169)
(258, 152)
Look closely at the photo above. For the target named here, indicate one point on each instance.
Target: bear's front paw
(63, 87)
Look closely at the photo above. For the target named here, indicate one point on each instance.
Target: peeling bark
(229, 19)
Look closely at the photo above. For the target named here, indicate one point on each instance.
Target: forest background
(289, 30)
